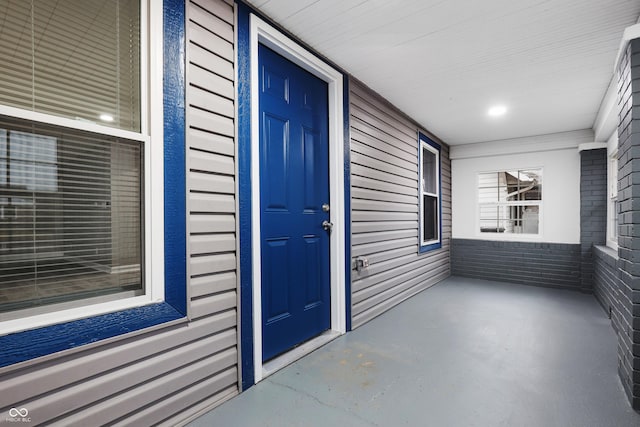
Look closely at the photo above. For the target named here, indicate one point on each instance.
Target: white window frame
(510, 236)
(612, 191)
(151, 137)
(425, 145)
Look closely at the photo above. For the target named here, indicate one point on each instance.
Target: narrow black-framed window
(430, 190)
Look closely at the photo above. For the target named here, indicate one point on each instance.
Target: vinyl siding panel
(219, 183)
(364, 182)
(211, 206)
(167, 373)
(380, 146)
(213, 143)
(384, 204)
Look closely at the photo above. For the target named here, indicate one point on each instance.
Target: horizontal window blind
(73, 58)
(70, 215)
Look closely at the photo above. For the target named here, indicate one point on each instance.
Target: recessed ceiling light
(106, 117)
(497, 110)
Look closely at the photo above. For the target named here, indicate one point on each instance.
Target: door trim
(262, 32)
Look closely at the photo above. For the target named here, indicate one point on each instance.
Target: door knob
(327, 225)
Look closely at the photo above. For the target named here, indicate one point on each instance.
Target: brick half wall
(623, 307)
(553, 265)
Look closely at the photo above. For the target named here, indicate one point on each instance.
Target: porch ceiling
(446, 62)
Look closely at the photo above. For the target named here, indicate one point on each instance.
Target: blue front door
(294, 186)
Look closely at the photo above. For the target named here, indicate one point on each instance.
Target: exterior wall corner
(628, 264)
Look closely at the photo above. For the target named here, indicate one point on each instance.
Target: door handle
(327, 225)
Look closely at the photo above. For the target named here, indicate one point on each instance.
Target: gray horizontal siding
(540, 264)
(384, 203)
(169, 373)
(211, 204)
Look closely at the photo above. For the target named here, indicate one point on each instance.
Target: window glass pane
(524, 185)
(510, 219)
(488, 180)
(530, 220)
(429, 171)
(492, 187)
(488, 195)
(492, 218)
(430, 218)
(70, 216)
(512, 190)
(612, 216)
(489, 213)
(3, 157)
(614, 222)
(74, 58)
(32, 161)
(613, 177)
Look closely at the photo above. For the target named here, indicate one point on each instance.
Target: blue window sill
(431, 247)
(23, 346)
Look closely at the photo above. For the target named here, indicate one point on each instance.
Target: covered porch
(464, 352)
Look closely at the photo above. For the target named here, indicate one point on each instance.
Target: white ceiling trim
(630, 33)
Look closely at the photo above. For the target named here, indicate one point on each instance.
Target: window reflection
(509, 201)
(70, 215)
(29, 162)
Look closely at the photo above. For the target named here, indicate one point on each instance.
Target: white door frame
(262, 32)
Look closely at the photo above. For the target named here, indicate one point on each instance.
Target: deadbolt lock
(326, 208)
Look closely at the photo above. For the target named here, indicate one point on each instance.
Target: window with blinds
(78, 59)
(71, 210)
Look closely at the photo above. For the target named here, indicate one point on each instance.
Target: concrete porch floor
(463, 353)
